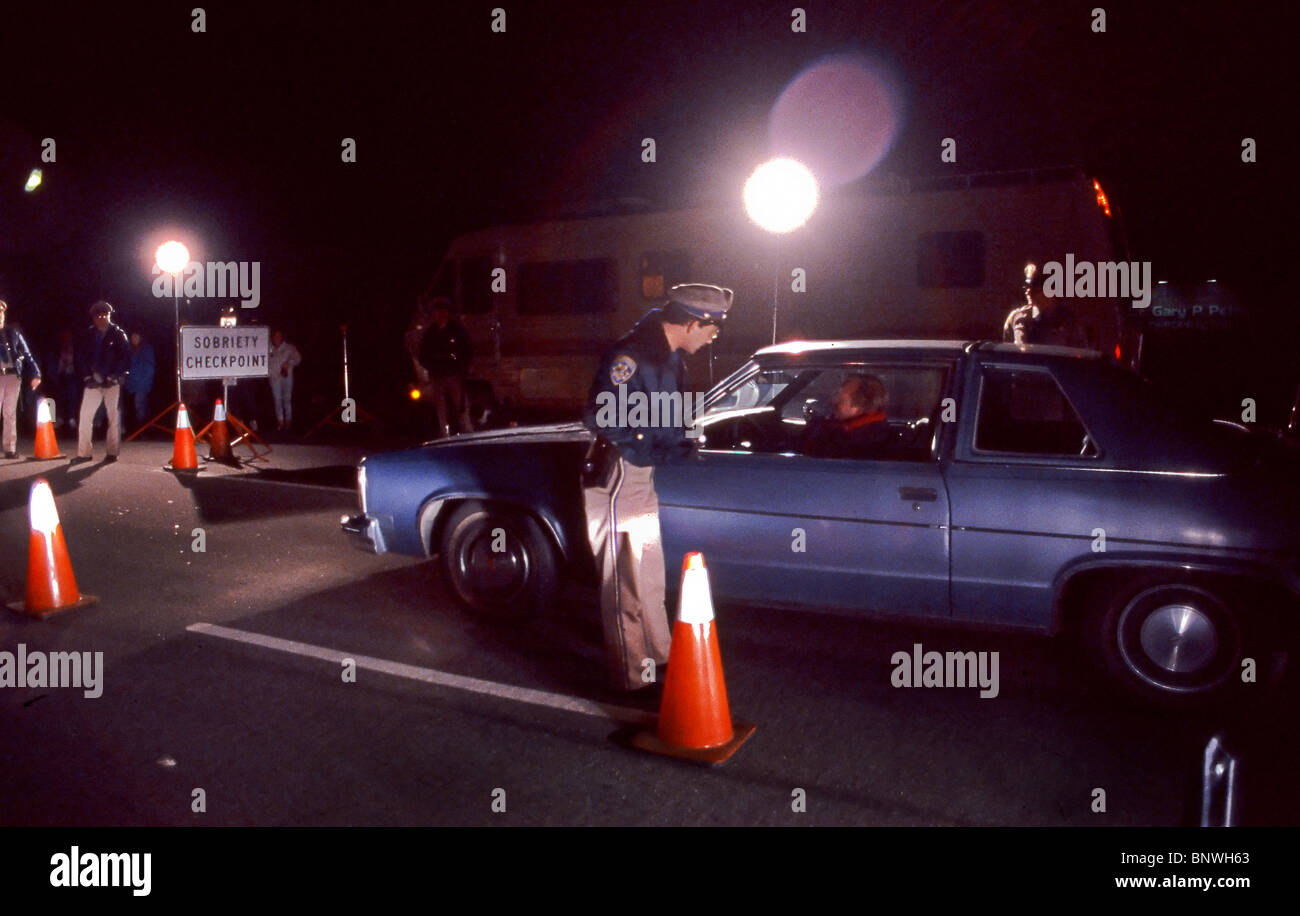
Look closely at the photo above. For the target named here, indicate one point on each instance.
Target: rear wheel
(1173, 642)
(497, 561)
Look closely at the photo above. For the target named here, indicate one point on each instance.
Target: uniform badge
(623, 369)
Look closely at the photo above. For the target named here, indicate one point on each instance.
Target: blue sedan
(1029, 487)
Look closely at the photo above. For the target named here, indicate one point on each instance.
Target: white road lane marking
(430, 676)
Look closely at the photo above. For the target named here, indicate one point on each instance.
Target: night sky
(233, 135)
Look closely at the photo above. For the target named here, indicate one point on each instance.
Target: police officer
(1022, 323)
(1042, 319)
(618, 484)
(15, 356)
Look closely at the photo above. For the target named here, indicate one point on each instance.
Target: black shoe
(80, 460)
(11, 454)
(109, 459)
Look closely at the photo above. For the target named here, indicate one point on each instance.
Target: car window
(758, 391)
(889, 412)
(1024, 411)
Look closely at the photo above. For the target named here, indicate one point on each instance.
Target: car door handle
(918, 494)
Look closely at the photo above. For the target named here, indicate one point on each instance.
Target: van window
(950, 259)
(476, 285)
(567, 287)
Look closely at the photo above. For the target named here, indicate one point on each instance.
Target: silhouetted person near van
(445, 353)
(139, 381)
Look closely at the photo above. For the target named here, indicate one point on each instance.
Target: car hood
(553, 432)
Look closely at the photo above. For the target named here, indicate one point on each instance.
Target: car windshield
(757, 391)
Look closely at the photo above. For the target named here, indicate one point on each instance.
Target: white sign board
(224, 352)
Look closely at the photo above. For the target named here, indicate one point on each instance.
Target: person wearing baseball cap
(103, 361)
(618, 475)
(15, 355)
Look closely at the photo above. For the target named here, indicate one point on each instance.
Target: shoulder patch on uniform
(623, 368)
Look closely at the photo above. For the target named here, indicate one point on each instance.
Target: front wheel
(498, 562)
(1172, 642)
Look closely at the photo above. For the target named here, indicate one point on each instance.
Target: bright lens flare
(780, 195)
(33, 181)
(172, 257)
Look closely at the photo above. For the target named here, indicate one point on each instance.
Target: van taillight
(1101, 197)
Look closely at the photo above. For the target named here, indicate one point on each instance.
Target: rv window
(661, 270)
(950, 259)
(568, 287)
(476, 285)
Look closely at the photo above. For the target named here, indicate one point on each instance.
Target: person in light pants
(14, 357)
(284, 357)
(104, 358)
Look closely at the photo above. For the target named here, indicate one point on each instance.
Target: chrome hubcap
(496, 574)
(1179, 638)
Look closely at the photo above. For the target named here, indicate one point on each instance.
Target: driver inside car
(857, 427)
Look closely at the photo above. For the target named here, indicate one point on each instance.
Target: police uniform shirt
(641, 362)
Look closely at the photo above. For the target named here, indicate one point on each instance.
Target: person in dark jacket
(62, 363)
(618, 489)
(103, 360)
(857, 428)
(15, 357)
(139, 381)
(445, 352)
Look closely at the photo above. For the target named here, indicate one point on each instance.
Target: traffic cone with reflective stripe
(51, 585)
(219, 441)
(183, 457)
(47, 446)
(694, 716)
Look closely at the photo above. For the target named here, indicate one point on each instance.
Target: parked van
(934, 258)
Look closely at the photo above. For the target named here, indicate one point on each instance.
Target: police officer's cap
(100, 308)
(702, 301)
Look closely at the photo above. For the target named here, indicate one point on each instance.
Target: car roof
(847, 349)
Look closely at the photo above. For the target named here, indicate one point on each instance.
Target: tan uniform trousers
(11, 388)
(623, 527)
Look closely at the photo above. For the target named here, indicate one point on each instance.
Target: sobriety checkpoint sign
(227, 353)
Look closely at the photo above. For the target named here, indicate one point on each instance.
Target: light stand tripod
(349, 413)
(247, 437)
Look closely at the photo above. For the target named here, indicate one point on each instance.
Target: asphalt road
(223, 673)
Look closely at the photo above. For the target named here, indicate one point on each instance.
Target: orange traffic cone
(219, 443)
(47, 446)
(183, 457)
(694, 717)
(50, 584)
